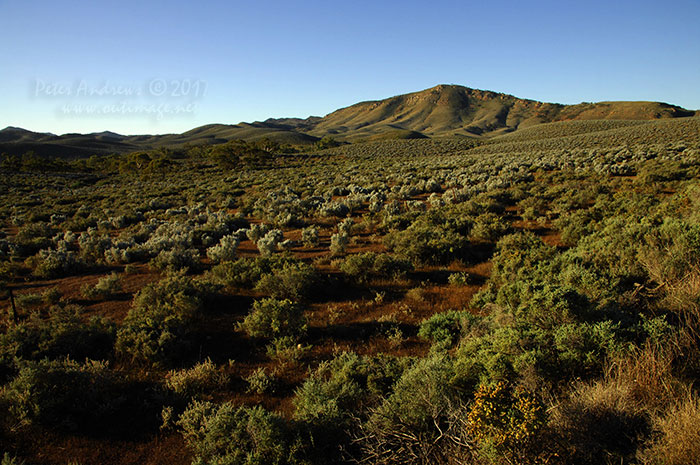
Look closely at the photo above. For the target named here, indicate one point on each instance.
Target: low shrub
(273, 318)
(224, 250)
(63, 394)
(362, 267)
(177, 259)
(247, 272)
(261, 382)
(62, 334)
(269, 242)
(257, 231)
(201, 378)
(427, 244)
(488, 227)
(309, 236)
(331, 394)
(445, 329)
(294, 280)
(287, 349)
(227, 434)
(106, 287)
(409, 424)
(458, 279)
(159, 327)
(50, 263)
(339, 243)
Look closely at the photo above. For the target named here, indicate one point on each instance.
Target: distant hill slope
(554, 137)
(17, 141)
(441, 111)
(448, 110)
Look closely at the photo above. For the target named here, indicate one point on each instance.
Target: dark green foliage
(63, 333)
(362, 267)
(63, 393)
(294, 280)
(661, 171)
(333, 392)
(49, 263)
(538, 324)
(246, 272)
(326, 142)
(340, 391)
(444, 329)
(226, 434)
(411, 421)
(159, 326)
(423, 243)
(177, 259)
(239, 153)
(274, 318)
(518, 256)
(419, 395)
(489, 227)
(33, 237)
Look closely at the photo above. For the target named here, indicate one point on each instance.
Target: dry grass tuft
(678, 436)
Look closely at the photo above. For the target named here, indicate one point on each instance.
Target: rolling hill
(448, 110)
(441, 111)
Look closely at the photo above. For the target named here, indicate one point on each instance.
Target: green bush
(63, 333)
(339, 243)
(488, 227)
(33, 237)
(63, 394)
(159, 327)
(226, 434)
(445, 329)
(106, 287)
(309, 236)
(518, 257)
(411, 421)
(294, 280)
(287, 349)
(49, 263)
(225, 250)
(247, 272)
(427, 244)
(261, 382)
(201, 378)
(331, 394)
(176, 259)
(362, 267)
(340, 392)
(273, 318)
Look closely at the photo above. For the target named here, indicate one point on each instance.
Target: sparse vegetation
(529, 298)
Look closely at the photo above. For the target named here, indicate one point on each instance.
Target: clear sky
(137, 67)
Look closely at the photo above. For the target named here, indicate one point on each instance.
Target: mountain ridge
(445, 110)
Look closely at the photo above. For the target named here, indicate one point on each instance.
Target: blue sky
(158, 67)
